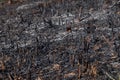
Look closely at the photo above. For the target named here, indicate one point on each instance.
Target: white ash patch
(60, 36)
(26, 6)
(5, 45)
(23, 44)
(30, 5)
(62, 19)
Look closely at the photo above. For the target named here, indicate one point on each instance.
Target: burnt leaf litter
(59, 40)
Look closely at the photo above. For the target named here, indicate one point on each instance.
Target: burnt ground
(60, 40)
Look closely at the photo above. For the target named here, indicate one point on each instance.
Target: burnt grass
(37, 44)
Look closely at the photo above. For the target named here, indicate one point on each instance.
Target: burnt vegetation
(59, 40)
